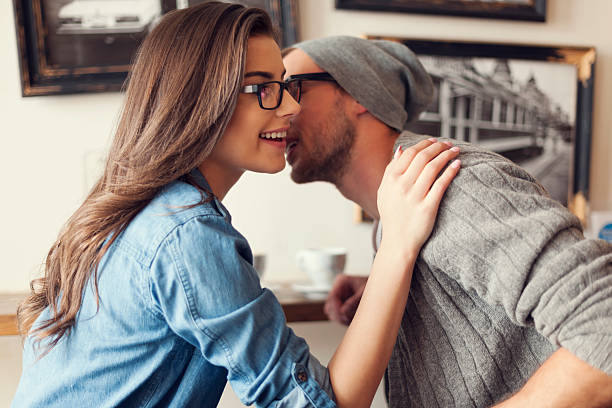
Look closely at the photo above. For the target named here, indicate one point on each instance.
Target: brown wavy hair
(181, 93)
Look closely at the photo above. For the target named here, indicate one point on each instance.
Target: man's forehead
(298, 62)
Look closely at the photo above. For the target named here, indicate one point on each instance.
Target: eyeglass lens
(271, 93)
(295, 89)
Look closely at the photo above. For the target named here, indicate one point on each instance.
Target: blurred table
(8, 310)
(297, 307)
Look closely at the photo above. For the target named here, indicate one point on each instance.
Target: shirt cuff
(313, 387)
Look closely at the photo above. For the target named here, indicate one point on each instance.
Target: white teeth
(273, 135)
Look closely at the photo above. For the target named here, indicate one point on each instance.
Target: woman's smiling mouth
(275, 137)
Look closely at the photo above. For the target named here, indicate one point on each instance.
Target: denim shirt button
(302, 377)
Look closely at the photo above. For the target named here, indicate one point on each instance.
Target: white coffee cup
(259, 263)
(322, 265)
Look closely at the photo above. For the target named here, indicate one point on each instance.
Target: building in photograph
(516, 119)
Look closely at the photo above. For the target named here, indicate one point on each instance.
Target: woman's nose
(288, 106)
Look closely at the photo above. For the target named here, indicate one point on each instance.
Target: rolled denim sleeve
(204, 285)
(307, 391)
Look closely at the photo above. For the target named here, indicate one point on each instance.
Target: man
(508, 301)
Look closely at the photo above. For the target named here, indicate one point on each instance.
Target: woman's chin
(271, 167)
(280, 167)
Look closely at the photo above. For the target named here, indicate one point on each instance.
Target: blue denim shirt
(181, 312)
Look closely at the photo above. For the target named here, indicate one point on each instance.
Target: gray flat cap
(383, 76)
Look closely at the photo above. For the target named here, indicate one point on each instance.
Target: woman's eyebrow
(264, 74)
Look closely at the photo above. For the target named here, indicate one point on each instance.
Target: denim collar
(201, 180)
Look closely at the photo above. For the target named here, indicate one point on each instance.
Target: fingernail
(454, 149)
(398, 151)
(456, 163)
(448, 143)
(432, 139)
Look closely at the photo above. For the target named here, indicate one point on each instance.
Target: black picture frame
(41, 75)
(582, 62)
(532, 10)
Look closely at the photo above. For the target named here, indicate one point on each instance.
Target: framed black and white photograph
(282, 12)
(531, 104)
(530, 10)
(72, 46)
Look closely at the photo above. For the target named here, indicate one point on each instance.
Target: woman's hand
(410, 193)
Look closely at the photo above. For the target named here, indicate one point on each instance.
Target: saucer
(312, 291)
(310, 288)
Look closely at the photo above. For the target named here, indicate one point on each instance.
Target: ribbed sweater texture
(504, 280)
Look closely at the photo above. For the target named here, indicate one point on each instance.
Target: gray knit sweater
(504, 280)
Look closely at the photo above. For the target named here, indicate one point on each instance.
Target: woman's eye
(265, 90)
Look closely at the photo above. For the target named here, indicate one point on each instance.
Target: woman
(149, 296)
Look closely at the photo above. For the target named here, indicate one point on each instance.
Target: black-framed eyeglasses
(270, 94)
(314, 76)
(296, 80)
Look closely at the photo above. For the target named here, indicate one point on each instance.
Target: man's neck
(370, 155)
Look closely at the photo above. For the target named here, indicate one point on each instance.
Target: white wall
(44, 142)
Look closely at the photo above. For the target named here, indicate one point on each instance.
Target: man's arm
(564, 381)
(502, 238)
(499, 236)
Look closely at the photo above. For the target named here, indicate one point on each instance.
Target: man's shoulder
(475, 152)
(473, 157)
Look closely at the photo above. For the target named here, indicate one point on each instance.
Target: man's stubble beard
(329, 159)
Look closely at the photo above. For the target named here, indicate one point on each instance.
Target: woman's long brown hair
(180, 96)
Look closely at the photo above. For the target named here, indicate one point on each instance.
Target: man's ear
(358, 108)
